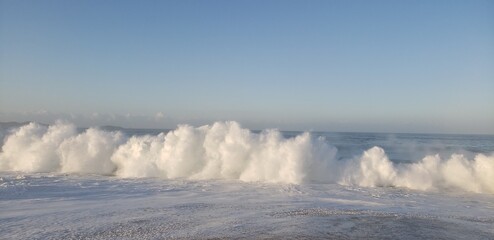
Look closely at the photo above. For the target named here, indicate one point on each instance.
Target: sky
(372, 66)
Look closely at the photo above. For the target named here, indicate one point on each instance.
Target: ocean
(225, 181)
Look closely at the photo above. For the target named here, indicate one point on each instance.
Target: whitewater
(225, 181)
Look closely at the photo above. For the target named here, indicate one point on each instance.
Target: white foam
(33, 147)
(225, 150)
(89, 152)
(374, 169)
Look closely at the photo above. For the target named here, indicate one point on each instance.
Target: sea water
(225, 181)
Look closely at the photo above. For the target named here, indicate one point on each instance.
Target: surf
(226, 150)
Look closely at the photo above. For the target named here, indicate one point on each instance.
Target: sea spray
(371, 169)
(89, 152)
(34, 147)
(374, 169)
(225, 150)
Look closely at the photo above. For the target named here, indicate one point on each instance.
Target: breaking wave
(225, 150)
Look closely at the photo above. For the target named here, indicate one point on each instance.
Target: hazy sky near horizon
(393, 66)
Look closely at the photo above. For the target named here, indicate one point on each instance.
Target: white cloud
(159, 116)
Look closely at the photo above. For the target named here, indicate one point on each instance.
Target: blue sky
(392, 66)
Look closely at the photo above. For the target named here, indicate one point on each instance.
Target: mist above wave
(225, 150)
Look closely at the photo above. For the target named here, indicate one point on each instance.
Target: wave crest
(374, 169)
(225, 150)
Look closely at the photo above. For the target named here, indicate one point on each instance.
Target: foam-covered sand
(73, 206)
